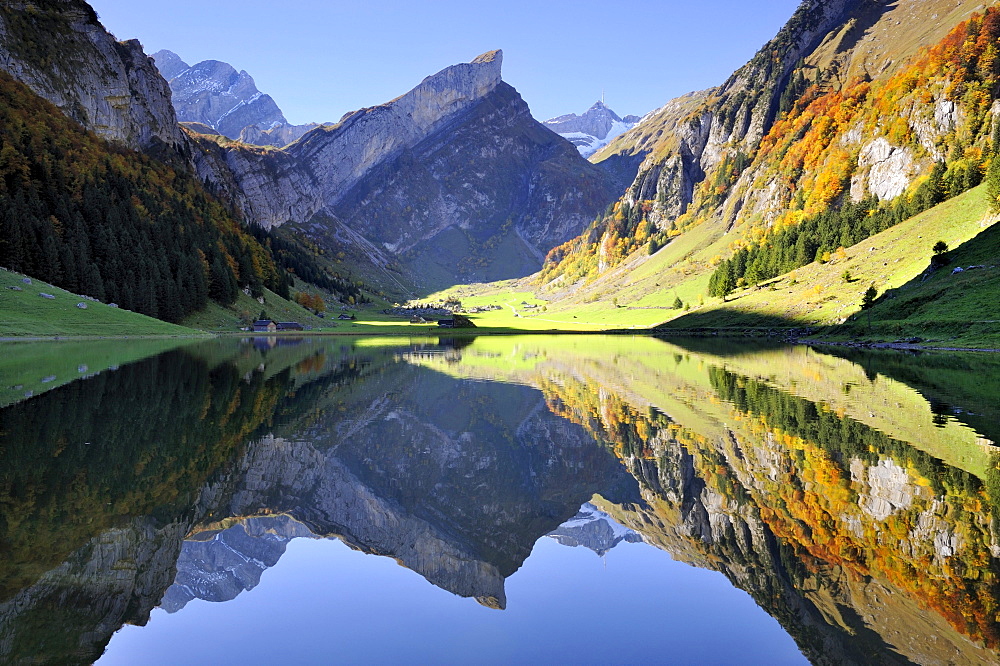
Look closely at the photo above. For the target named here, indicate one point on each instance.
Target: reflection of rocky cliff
(455, 480)
(68, 615)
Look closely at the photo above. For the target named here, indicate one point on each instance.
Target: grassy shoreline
(428, 332)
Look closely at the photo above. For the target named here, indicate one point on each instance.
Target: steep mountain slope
(58, 48)
(596, 128)
(841, 107)
(453, 181)
(215, 94)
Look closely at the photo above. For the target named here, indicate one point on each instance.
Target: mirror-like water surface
(584, 499)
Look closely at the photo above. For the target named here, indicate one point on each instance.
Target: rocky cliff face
(447, 178)
(680, 149)
(61, 51)
(596, 128)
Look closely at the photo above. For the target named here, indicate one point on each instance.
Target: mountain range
(453, 181)
(856, 116)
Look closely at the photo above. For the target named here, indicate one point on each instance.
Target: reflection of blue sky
(325, 603)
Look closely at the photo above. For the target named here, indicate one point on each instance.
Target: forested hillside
(840, 162)
(110, 223)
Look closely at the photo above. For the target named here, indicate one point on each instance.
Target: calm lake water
(573, 499)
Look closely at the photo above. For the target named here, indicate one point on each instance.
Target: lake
(576, 499)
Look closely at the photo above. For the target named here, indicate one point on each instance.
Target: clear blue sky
(321, 59)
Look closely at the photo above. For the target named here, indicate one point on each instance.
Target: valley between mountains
(842, 185)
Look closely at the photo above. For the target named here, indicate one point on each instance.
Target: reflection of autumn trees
(820, 481)
(611, 420)
(935, 547)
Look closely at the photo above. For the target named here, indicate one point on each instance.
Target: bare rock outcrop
(110, 87)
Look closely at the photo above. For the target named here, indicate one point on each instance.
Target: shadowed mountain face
(434, 473)
(864, 527)
(452, 182)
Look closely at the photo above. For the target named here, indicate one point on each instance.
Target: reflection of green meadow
(674, 377)
(31, 368)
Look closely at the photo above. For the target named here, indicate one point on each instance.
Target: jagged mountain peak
(456, 86)
(495, 55)
(169, 63)
(215, 94)
(594, 129)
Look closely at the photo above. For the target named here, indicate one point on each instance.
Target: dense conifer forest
(110, 223)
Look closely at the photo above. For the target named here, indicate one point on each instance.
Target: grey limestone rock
(109, 87)
(434, 176)
(215, 94)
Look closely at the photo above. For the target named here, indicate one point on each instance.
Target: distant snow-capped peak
(596, 128)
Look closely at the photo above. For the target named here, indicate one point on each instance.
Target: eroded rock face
(110, 87)
(341, 155)
(494, 178)
(886, 170)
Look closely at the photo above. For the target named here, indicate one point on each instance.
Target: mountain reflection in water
(833, 488)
